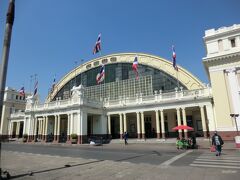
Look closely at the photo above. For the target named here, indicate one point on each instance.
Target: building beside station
(147, 107)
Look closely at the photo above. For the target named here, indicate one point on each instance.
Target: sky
(48, 36)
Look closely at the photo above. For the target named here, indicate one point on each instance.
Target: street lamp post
(4, 64)
(235, 118)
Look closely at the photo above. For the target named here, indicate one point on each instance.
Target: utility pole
(5, 53)
(4, 65)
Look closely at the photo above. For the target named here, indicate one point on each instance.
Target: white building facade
(222, 63)
(110, 109)
(146, 108)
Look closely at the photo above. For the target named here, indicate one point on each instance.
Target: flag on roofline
(53, 85)
(97, 46)
(35, 88)
(22, 92)
(135, 66)
(174, 56)
(101, 75)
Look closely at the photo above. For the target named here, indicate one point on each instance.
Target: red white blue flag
(35, 88)
(101, 75)
(22, 92)
(135, 66)
(174, 56)
(97, 46)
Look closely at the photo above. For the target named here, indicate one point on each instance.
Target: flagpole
(30, 85)
(177, 79)
(81, 72)
(53, 87)
(75, 78)
(35, 78)
(100, 52)
(35, 81)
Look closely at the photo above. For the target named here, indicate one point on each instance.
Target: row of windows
(122, 71)
(17, 97)
(232, 42)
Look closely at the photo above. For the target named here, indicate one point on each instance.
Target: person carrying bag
(217, 142)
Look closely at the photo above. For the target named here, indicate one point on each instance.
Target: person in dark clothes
(125, 137)
(193, 139)
(217, 142)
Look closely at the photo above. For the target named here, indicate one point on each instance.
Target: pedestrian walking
(125, 137)
(217, 142)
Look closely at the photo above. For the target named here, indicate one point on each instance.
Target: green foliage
(74, 136)
(25, 135)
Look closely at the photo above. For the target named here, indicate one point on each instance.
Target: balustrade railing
(138, 98)
(161, 97)
(17, 114)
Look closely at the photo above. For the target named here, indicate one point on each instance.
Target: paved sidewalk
(164, 144)
(28, 166)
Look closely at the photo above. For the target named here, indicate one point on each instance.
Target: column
(24, 126)
(71, 124)
(17, 129)
(185, 123)
(46, 129)
(55, 128)
(28, 126)
(125, 122)
(83, 126)
(13, 128)
(233, 88)
(203, 121)
(138, 126)
(43, 128)
(234, 95)
(68, 128)
(109, 125)
(79, 119)
(157, 124)
(143, 125)
(39, 129)
(41, 123)
(35, 129)
(121, 125)
(10, 130)
(58, 127)
(210, 118)
(31, 128)
(162, 124)
(179, 123)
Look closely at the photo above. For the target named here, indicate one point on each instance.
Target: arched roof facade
(184, 77)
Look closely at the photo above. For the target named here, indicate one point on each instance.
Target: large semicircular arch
(185, 77)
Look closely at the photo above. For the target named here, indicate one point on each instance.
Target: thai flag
(35, 88)
(97, 46)
(101, 75)
(22, 92)
(135, 66)
(174, 58)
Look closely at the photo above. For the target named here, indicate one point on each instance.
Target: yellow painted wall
(221, 99)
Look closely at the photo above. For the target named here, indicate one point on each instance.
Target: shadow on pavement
(31, 173)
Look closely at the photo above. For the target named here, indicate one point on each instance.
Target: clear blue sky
(49, 35)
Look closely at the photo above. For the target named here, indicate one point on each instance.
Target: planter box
(237, 141)
(74, 141)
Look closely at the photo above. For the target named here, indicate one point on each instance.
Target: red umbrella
(182, 127)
